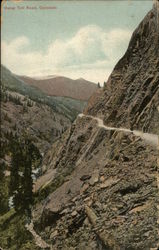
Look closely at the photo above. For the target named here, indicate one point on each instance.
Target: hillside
(63, 105)
(101, 189)
(62, 86)
(20, 114)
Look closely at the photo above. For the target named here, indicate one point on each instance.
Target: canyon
(103, 193)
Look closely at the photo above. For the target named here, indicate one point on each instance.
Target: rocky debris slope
(108, 200)
(131, 95)
(48, 169)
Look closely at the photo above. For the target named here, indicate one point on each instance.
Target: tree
(29, 103)
(32, 159)
(25, 156)
(99, 85)
(105, 84)
(25, 108)
(16, 163)
(27, 177)
(3, 190)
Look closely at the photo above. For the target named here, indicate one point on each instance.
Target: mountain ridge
(80, 89)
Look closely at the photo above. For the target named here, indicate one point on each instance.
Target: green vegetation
(7, 97)
(29, 103)
(13, 234)
(105, 84)
(3, 190)
(52, 186)
(49, 188)
(25, 157)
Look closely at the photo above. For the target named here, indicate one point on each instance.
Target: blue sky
(71, 38)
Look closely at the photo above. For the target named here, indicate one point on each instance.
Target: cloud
(91, 49)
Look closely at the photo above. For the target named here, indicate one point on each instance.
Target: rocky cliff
(131, 95)
(103, 191)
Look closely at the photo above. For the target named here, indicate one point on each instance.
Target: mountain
(100, 190)
(66, 106)
(79, 89)
(131, 95)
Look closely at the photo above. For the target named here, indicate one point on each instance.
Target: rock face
(104, 192)
(131, 95)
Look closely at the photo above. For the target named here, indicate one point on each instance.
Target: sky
(77, 39)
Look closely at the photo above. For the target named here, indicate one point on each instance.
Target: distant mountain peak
(55, 85)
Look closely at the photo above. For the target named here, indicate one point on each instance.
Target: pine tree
(15, 187)
(99, 85)
(3, 190)
(28, 182)
(25, 156)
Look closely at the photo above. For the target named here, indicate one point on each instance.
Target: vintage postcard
(79, 125)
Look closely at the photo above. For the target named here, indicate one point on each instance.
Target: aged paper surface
(79, 124)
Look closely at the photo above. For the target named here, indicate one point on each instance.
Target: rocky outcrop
(131, 96)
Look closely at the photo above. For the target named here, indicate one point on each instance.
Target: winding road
(151, 139)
